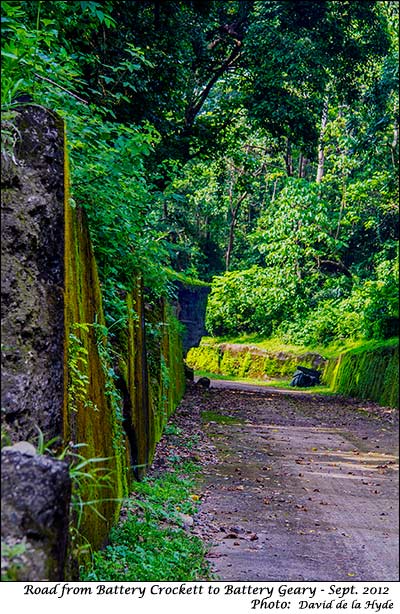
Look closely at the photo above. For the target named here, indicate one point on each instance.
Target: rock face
(32, 278)
(35, 512)
(192, 302)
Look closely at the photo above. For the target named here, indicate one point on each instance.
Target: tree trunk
(274, 191)
(393, 145)
(321, 150)
(230, 244)
(302, 166)
(165, 210)
(289, 159)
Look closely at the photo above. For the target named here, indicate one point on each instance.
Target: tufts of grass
(141, 551)
(212, 416)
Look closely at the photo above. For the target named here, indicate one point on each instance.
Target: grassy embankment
(366, 369)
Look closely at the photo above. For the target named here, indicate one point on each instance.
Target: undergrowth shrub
(255, 301)
(150, 543)
(252, 300)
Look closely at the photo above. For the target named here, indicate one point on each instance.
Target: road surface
(305, 487)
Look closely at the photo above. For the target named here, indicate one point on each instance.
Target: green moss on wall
(120, 426)
(205, 358)
(230, 363)
(138, 376)
(243, 360)
(152, 367)
(92, 418)
(368, 372)
(189, 282)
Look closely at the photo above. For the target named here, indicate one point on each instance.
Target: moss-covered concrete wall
(151, 366)
(92, 419)
(121, 420)
(60, 370)
(369, 372)
(248, 361)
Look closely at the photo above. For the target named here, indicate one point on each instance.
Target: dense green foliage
(254, 137)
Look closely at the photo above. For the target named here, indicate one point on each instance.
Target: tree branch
(60, 87)
(195, 108)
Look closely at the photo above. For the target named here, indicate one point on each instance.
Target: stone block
(36, 492)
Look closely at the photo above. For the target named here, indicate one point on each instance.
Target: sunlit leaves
(237, 91)
(252, 300)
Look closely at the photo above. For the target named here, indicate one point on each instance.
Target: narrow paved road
(305, 489)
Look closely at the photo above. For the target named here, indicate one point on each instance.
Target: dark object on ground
(189, 373)
(204, 382)
(305, 377)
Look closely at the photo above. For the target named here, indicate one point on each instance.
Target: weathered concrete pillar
(35, 489)
(32, 277)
